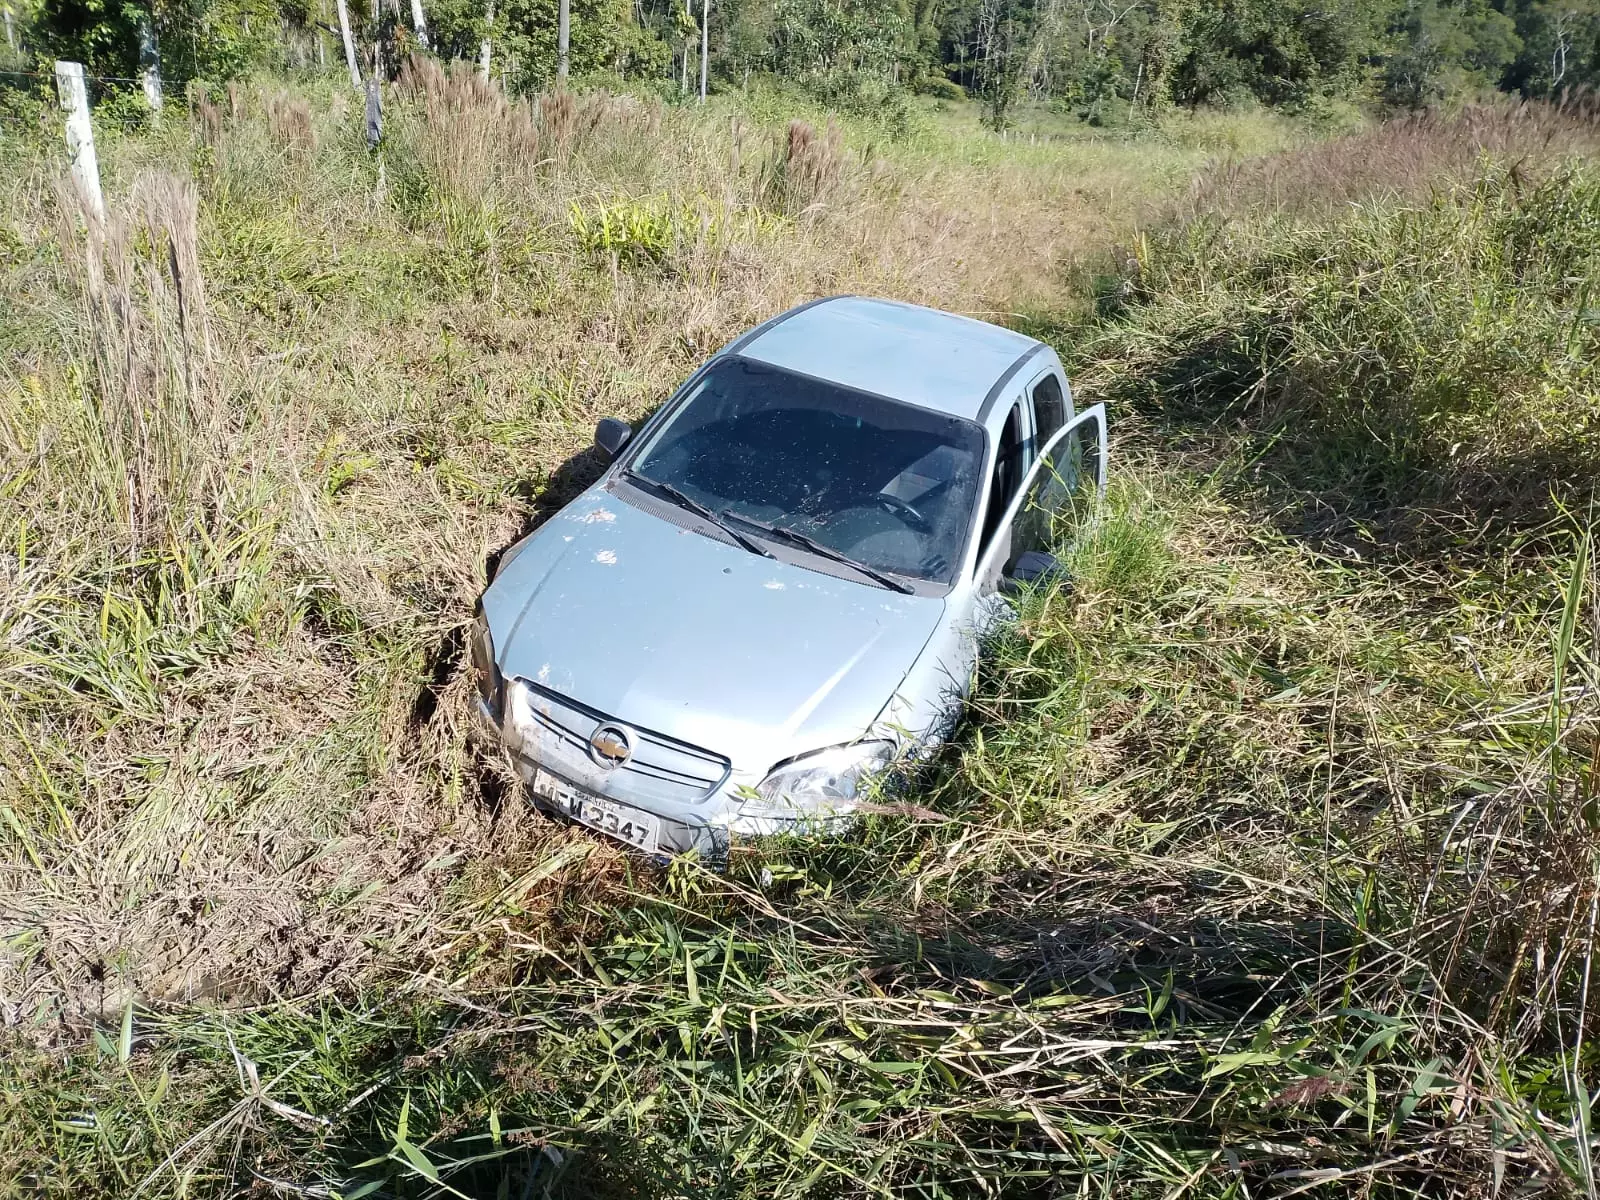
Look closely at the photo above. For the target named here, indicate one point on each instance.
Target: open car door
(1059, 493)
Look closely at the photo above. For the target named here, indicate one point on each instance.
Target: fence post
(11, 33)
(74, 98)
(374, 113)
(150, 63)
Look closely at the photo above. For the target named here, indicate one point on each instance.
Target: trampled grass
(1263, 866)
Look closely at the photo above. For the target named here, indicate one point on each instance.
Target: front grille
(556, 731)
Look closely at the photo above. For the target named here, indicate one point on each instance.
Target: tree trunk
(419, 22)
(349, 44)
(563, 36)
(705, 44)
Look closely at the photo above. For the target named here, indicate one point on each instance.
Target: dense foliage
(1108, 61)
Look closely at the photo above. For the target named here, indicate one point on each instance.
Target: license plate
(638, 829)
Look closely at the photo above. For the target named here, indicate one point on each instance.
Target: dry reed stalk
(1405, 157)
(472, 135)
(558, 114)
(152, 394)
(209, 118)
(289, 124)
(808, 170)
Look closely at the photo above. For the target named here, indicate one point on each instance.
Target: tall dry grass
(808, 169)
(1406, 157)
(469, 133)
(1403, 314)
(158, 439)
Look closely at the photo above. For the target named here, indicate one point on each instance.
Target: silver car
(780, 584)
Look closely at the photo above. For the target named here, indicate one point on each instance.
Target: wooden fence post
(74, 97)
(150, 63)
(705, 44)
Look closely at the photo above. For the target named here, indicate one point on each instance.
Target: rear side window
(1049, 408)
(1007, 474)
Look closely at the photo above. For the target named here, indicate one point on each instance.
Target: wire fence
(18, 120)
(14, 120)
(95, 78)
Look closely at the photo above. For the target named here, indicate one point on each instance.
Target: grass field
(1264, 865)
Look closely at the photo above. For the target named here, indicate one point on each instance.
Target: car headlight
(828, 781)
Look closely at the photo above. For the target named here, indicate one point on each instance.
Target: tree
(1006, 43)
(198, 38)
(1277, 52)
(1445, 48)
(604, 36)
(744, 33)
(1560, 47)
(347, 40)
(848, 51)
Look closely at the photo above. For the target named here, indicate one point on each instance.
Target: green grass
(1183, 914)
(1263, 865)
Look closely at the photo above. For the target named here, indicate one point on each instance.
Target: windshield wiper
(794, 536)
(686, 501)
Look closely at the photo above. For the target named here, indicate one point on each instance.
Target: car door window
(1007, 476)
(1049, 407)
(1058, 495)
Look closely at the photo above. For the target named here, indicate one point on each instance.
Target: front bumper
(704, 833)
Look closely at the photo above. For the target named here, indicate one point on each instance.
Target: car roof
(923, 356)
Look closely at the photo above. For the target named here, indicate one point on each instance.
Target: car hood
(683, 635)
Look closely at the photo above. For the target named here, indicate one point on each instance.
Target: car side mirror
(1032, 568)
(611, 435)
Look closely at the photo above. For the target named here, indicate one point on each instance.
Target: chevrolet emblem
(610, 746)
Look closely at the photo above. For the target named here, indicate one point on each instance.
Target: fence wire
(21, 118)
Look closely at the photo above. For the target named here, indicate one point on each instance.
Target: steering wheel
(902, 510)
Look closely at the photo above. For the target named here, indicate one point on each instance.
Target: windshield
(886, 484)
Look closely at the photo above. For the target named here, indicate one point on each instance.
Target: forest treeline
(1107, 61)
